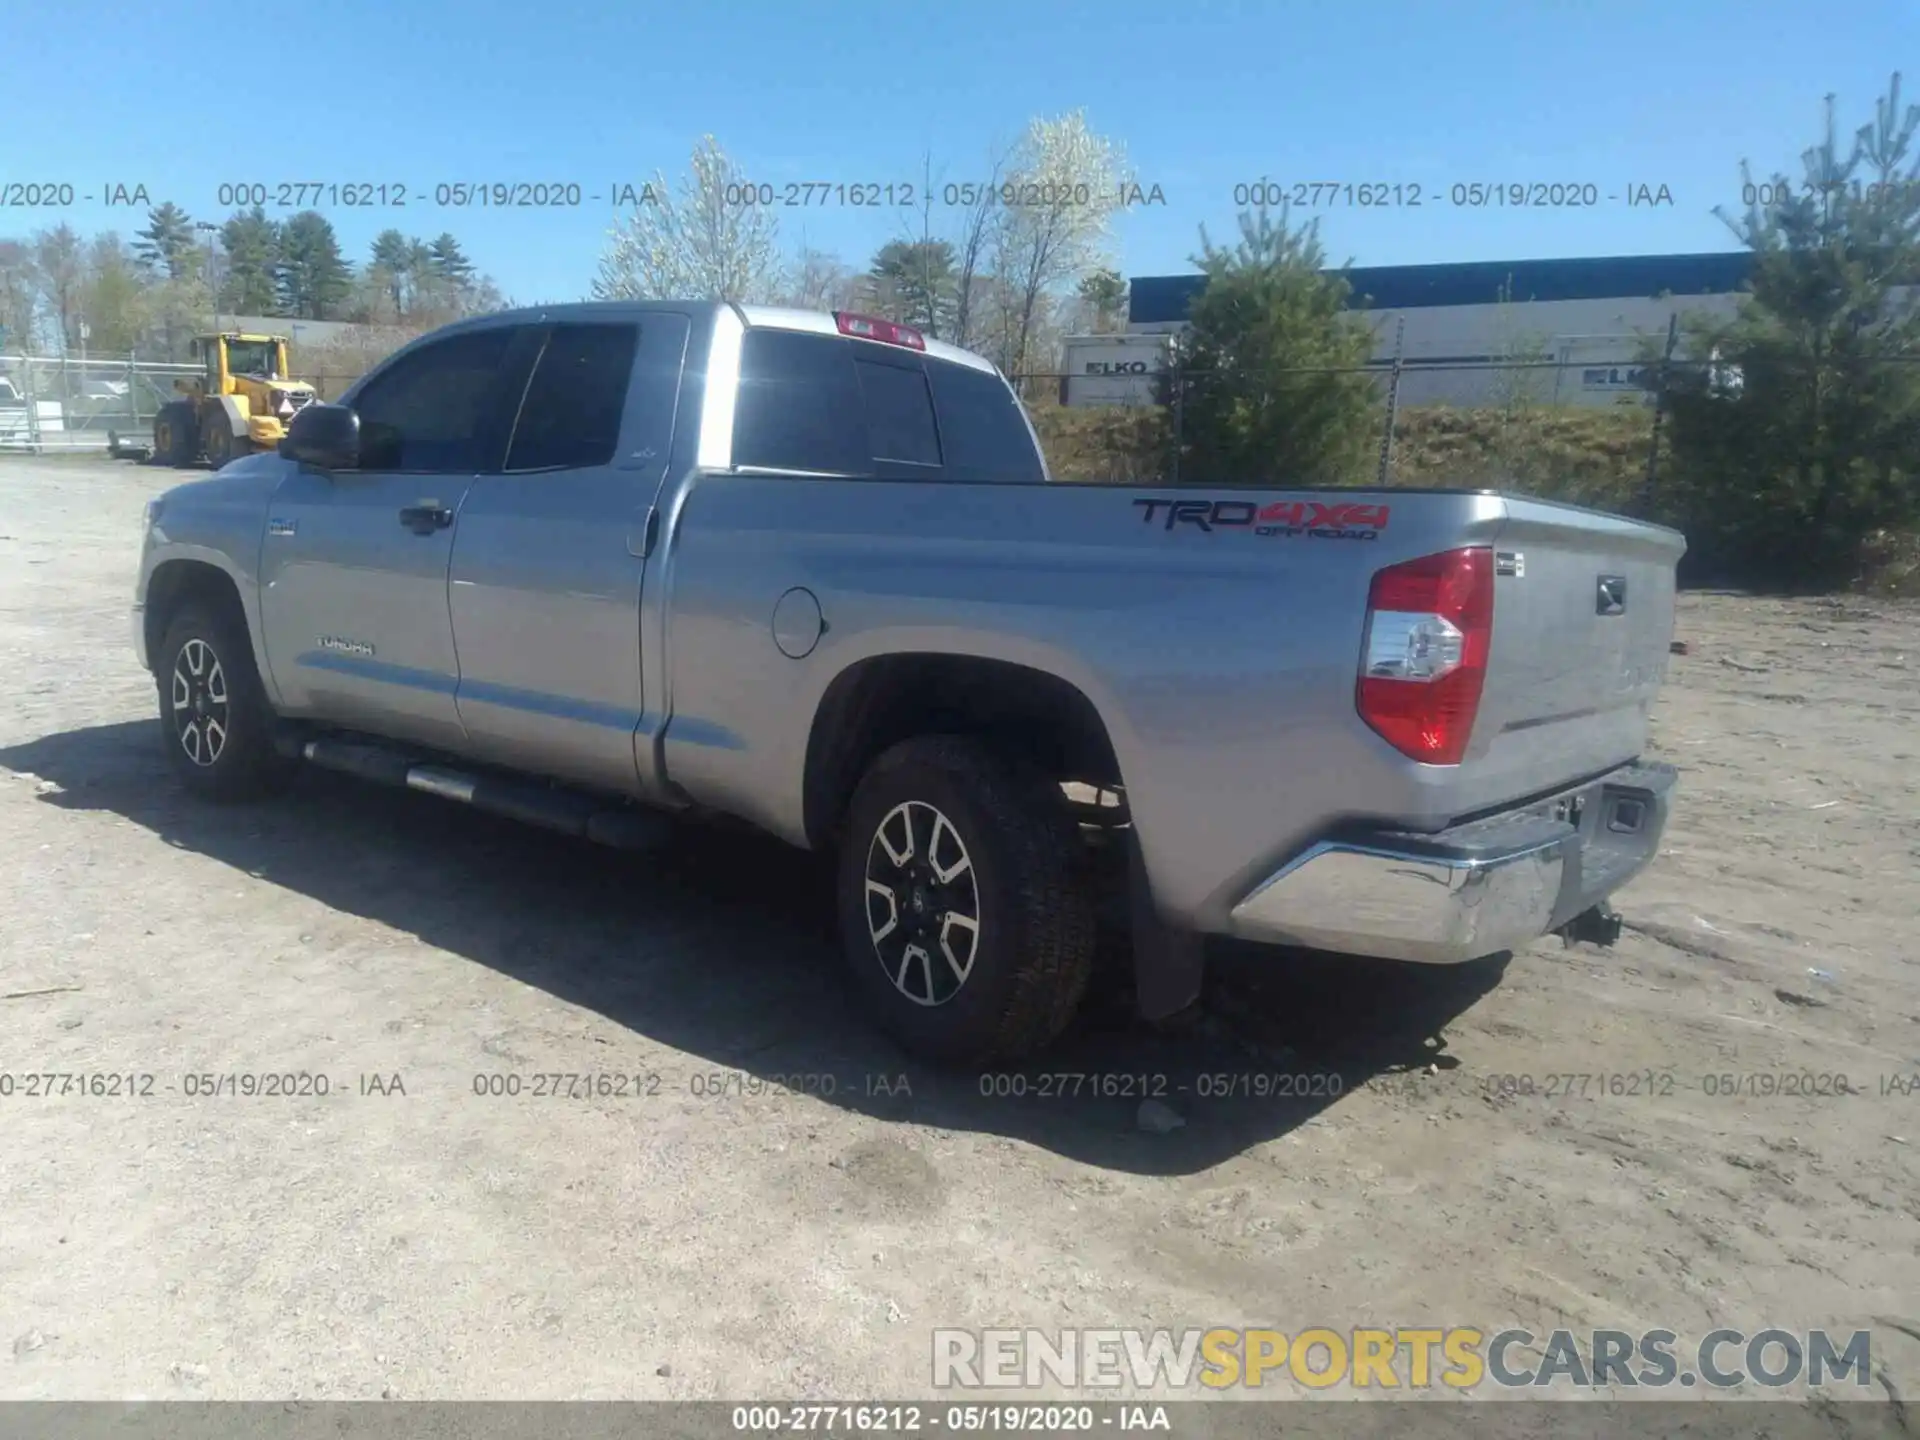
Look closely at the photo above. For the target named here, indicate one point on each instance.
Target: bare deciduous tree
(60, 262)
(972, 245)
(818, 280)
(19, 296)
(114, 303)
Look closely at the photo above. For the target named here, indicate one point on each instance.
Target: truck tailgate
(1583, 617)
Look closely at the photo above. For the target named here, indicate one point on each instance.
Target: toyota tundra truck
(592, 565)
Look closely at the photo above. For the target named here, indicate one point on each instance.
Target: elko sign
(1112, 369)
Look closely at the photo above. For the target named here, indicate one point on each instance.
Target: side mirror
(324, 436)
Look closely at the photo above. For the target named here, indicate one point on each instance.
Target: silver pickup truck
(588, 564)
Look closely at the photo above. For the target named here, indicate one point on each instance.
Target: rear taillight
(1424, 661)
(867, 327)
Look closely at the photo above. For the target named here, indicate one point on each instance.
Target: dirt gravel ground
(697, 1239)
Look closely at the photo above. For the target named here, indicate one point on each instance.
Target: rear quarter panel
(1222, 662)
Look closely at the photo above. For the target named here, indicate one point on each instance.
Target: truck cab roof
(754, 317)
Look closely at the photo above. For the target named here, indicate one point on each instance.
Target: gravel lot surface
(710, 1234)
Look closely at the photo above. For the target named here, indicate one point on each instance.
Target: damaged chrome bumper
(1492, 884)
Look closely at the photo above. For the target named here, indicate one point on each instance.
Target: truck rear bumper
(1488, 885)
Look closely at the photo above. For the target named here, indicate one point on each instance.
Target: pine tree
(1104, 293)
(247, 281)
(313, 279)
(450, 262)
(916, 281)
(392, 261)
(1796, 434)
(167, 242)
(1269, 385)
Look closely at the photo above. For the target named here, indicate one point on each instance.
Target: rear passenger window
(571, 415)
(899, 410)
(800, 406)
(983, 430)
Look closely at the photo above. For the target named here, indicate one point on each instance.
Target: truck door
(551, 550)
(353, 566)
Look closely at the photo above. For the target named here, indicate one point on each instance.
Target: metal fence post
(1179, 416)
(1659, 413)
(33, 405)
(1393, 401)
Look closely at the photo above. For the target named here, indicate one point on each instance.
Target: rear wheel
(216, 722)
(174, 435)
(965, 909)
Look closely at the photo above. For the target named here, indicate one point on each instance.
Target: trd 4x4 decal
(1316, 519)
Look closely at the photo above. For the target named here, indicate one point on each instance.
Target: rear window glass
(842, 407)
(984, 433)
(800, 405)
(899, 412)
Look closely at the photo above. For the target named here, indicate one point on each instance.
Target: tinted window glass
(981, 426)
(429, 412)
(800, 405)
(571, 414)
(899, 412)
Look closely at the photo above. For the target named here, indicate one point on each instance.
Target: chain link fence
(53, 403)
(1588, 432)
(1583, 431)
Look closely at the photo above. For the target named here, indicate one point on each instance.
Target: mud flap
(1168, 964)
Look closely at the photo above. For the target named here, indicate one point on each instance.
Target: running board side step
(566, 811)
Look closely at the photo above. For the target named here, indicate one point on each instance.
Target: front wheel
(216, 722)
(224, 447)
(965, 911)
(175, 436)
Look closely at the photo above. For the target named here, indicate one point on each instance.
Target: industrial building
(1591, 318)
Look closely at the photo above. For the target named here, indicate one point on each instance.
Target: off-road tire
(1034, 945)
(236, 761)
(176, 438)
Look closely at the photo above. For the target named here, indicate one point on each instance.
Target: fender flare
(248, 595)
(235, 409)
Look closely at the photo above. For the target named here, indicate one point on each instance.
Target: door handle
(426, 517)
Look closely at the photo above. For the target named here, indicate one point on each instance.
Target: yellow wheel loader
(242, 403)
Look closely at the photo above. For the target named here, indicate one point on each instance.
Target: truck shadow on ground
(722, 947)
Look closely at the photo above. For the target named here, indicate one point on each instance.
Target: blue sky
(184, 97)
